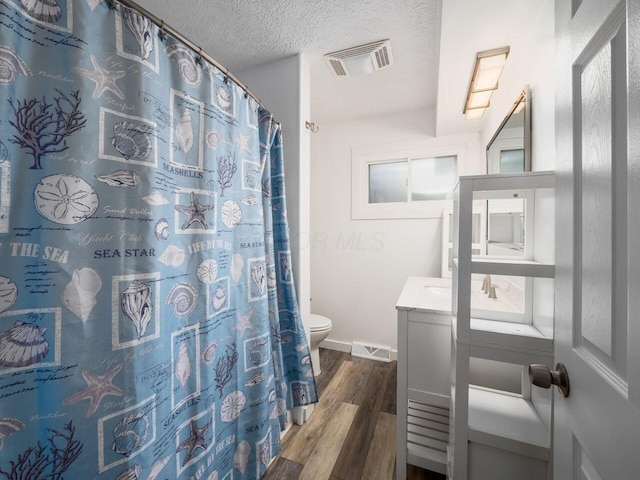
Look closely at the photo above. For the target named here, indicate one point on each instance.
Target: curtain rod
(196, 48)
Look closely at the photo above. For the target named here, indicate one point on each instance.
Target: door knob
(541, 376)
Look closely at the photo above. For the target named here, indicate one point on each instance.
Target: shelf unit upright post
(493, 433)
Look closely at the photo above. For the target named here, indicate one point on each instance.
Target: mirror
(509, 150)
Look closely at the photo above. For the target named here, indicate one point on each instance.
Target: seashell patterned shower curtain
(149, 327)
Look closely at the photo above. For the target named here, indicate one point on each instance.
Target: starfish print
(243, 141)
(195, 212)
(104, 79)
(98, 386)
(244, 323)
(195, 440)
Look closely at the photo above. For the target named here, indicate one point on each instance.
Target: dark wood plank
(417, 473)
(283, 469)
(330, 360)
(389, 397)
(353, 456)
(380, 463)
(355, 392)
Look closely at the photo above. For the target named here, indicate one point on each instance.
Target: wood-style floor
(352, 432)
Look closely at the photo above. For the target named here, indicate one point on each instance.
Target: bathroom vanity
(424, 384)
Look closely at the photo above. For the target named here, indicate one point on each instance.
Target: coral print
(149, 326)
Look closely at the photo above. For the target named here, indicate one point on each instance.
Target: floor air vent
(372, 352)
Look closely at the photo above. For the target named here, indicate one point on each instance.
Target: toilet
(320, 328)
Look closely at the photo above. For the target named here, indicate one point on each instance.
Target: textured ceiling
(241, 34)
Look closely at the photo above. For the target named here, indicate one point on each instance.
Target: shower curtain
(148, 320)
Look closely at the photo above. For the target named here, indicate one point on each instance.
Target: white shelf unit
(494, 433)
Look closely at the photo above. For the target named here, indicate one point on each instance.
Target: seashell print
(219, 299)
(140, 27)
(231, 213)
(232, 405)
(44, 10)
(156, 199)
(237, 263)
(271, 278)
(187, 66)
(157, 467)
(223, 98)
(265, 454)
(213, 475)
(241, 456)
(183, 297)
(136, 304)
(306, 360)
(121, 178)
(11, 65)
(250, 200)
(131, 473)
(79, 295)
(9, 426)
(4, 152)
(8, 293)
(272, 395)
(65, 199)
(23, 345)
(183, 365)
(255, 380)
(213, 139)
(207, 271)
(209, 352)
(172, 257)
(130, 433)
(132, 140)
(184, 132)
(299, 394)
(258, 276)
(161, 230)
(280, 408)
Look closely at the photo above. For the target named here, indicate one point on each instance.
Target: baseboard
(346, 347)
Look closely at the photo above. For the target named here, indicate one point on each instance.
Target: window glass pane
(388, 182)
(512, 161)
(433, 178)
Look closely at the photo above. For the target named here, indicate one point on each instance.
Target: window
(411, 183)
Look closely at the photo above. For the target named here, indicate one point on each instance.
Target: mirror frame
(525, 96)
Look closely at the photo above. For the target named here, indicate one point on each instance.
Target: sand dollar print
(207, 271)
(231, 213)
(65, 199)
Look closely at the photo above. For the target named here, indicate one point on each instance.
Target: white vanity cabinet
(424, 383)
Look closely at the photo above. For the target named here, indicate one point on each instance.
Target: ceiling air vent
(361, 59)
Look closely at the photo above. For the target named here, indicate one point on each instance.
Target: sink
(442, 292)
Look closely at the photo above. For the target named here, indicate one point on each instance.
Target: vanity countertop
(426, 294)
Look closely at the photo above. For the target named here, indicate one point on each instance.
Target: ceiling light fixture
(486, 74)
(361, 59)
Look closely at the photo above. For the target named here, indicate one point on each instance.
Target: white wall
(358, 267)
(284, 88)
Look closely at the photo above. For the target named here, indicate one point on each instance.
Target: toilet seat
(318, 323)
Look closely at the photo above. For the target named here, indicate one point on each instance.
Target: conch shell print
(172, 256)
(8, 293)
(140, 27)
(79, 295)
(137, 305)
(187, 66)
(23, 345)
(44, 10)
(241, 457)
(184, 132)
(11, 65)
(183, 297)
(130, 433)
(121, 178)
(183, 365)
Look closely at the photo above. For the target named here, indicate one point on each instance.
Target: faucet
(486, 283)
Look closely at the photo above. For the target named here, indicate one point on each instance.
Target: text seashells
(65, 199)
(8, 293)
(172, 257)
(219, 298)
(121, 178)
(187, 66)
(140, 27)
(237, 263)
(231, 213)
(11, 65)
(131, 473)
(161, 230)
(183, 297)
(156, 199)
(136, 304)
(132, 140)
(183, 365)
(23, 345)
(209, 352)
(130, 433)
(44, 10)
(207, 271)
(184, 132)
(241, 456)
(79, 295)
(232, 405)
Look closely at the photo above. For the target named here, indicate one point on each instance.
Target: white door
(597, 428)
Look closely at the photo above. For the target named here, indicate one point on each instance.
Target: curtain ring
(111, 4)
(199, 56)
(162, 33)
